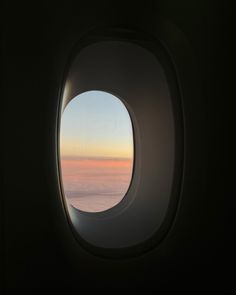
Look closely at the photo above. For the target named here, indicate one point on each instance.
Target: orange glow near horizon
(75, 149)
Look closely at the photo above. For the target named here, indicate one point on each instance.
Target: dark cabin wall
(196, 253)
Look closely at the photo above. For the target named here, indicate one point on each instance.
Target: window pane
(96, 151)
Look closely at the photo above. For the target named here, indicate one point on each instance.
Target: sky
(96, 124)
(96, 148)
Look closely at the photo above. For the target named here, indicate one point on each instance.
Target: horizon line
(108, 158)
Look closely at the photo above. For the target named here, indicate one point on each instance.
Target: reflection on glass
(96, 151)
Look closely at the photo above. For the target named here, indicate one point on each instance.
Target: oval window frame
(153, 45)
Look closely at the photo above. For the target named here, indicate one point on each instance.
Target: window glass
(96, 151)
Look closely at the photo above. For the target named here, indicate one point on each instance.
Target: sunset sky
(96, 124)
(96, 147)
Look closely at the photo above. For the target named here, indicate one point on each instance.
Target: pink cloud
(95, 184)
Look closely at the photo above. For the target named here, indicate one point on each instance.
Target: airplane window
(96, 151)
(120, 142)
